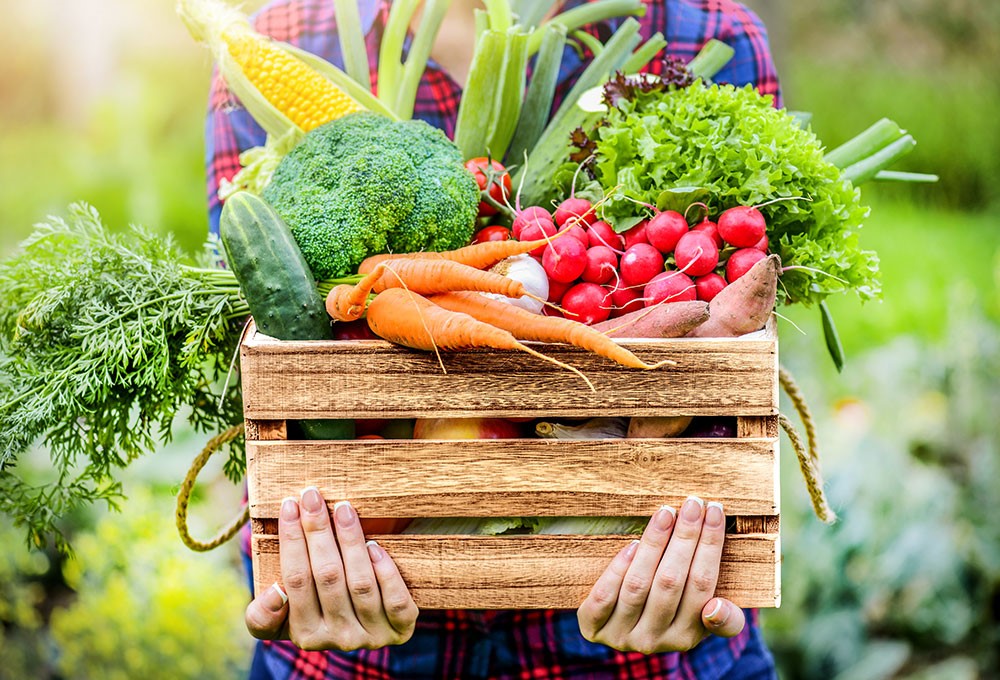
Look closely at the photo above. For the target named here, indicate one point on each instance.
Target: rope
(808, 454)
(184, 496)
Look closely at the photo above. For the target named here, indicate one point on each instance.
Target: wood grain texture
(535, 572)
(374, 379)
(498, 477)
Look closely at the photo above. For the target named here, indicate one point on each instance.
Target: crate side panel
(371, 379)
(535, 572)
(500, 477)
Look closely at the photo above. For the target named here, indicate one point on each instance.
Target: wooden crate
(518, 477)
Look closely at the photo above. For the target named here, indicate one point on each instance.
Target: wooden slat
(498, 477)
(532, 572)
(374, 379)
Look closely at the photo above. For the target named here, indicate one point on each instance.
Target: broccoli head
(365, 184)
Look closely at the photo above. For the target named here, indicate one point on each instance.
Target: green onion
(352, 41)
(589, 41)
(420, 51)
(868, 168)
(897, 176)
(873, 139)
(585, 14)
(541, 92)
(711, 59)
(501, 18)
(645, 53)
(831, 336)
(531, 12)
(390, 58)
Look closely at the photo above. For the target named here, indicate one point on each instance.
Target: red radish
(696, 254)
(577, 232)
(492, 233)
(624, 299)
(551, 311)
(636, 234)
(579, 210)
(671, 286)
(709, 227)
(601, 265)
(708, 286)
(640, 263)
(602, 234)
(762, 245)
(741, 261)
(665, 230)
(564, 259)
(529, 215)
(535, 232)
(586, 302)
(557, 289)
(742, 226)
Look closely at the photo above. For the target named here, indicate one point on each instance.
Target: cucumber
(277, 284)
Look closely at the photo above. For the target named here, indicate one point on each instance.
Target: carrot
(745, 305)
(526, 325)
(426, 277)
(478, 255)
(663, 320)
(406, 318)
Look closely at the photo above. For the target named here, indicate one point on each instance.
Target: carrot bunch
(430, 301)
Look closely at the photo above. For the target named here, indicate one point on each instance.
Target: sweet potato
(665, 320)
(745, 305)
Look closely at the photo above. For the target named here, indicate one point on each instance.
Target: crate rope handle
(184, 496)
(808, 454)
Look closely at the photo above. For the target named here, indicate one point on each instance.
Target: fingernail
(714, 514)
(692, 509)
(631, 548)
(375, 551)
(665, 517)
(344, 513)
(312, 502)
(275, 598)
(713, 616)
(289, 509)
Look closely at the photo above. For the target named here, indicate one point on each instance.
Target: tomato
(492, 174)
(495, 232)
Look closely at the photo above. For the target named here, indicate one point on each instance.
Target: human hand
(657, 593)
(341, 592)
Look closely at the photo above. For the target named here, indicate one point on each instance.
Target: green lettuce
(728, 146)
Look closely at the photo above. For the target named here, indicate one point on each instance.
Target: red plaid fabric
(514, 645)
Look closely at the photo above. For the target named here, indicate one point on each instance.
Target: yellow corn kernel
(304, 96)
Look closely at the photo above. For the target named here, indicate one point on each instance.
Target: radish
(586, 302)
(696, 254)
(742, 226)
(537, 231)
(640, 263)
(529, 215)
(665, 230)
(601, 234)
(564, 259)
(623, 299)
(709, 227)
(579, 210)
(741, 261)
(708, 286)
(670, 286)
(601, 265)
(762, 245)
(577, 232)
(636, 234)
(557, 289)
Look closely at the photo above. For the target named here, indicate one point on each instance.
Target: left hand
(657, 593)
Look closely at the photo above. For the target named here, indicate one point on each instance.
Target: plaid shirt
(522, 645)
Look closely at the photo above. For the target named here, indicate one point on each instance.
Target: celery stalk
(390, 59)
(531, 12)
(711, 59)
(420, 51)
(499, 11)
(510, 95)
(868, 168)
(587, 13)
(645, 53)
(352, 41)
(541, 92)
(482, 23)
(865, 144)
(475, 112)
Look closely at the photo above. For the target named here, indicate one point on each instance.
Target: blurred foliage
(909, 578)
(145, 606)
(23, 576)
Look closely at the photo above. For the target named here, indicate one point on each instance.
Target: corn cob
(277, 87)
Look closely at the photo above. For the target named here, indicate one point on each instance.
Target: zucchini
(277, 284)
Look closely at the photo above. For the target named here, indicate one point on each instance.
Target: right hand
(342, 593)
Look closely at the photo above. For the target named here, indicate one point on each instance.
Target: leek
(352, 41)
